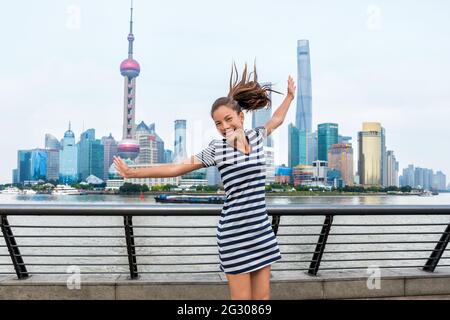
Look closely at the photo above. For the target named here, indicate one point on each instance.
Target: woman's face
(228, 122)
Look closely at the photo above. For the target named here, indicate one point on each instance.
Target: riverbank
(268, 194)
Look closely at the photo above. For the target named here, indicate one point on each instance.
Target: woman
(247, 243)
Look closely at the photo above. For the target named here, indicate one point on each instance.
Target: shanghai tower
(303, 116)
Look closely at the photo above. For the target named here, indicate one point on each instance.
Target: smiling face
(228, 122)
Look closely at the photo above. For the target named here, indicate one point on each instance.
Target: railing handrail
(128, 211)
(214, 210)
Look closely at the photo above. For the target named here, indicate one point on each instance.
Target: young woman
(247, 244)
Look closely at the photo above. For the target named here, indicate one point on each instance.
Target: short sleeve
(261, 131)
(207, 155)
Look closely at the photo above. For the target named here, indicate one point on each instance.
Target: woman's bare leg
(260, 283)
(240, 286)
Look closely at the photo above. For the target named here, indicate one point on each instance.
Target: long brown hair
(245, 94)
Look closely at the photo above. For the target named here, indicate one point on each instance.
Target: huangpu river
(198, 254)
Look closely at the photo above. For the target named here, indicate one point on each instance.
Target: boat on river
(164, 198)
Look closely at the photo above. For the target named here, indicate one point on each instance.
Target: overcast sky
(383, 61)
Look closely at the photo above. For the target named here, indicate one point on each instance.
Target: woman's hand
(122, 167)
(291, 88)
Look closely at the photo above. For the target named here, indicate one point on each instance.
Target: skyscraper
(39, 162)
(179, 152)
(303, 115)
(109, 151)
(128, 148)
(159, 144)
(392, 178)
(148, 152)
(52, 164)
(262, 116)
(327, 136)
(23, 165)
(90, 155)
(340, 158)
(296, 147)
(370, 154)
(51, 142)
(68, 162)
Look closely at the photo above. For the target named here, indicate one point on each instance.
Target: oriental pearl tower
(128, 148)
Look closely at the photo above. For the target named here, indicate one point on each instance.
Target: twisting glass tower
(128, 148)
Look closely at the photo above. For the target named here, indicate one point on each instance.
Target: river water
(195, 250)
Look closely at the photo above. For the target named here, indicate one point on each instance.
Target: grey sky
(383, 61)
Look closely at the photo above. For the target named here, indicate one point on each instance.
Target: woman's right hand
(122, 167)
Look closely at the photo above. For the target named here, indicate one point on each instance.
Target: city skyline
(376, 83)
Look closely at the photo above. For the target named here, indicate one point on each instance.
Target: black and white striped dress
(244, 234)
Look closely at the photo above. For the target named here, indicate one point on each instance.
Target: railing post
(436, 255)
(13, 249)
(128, 223)
(275, 223)
(320, 246)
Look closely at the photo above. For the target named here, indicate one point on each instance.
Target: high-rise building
(392, 170)
(213, 176)
(340, 158)
(148, 151)
(179, 152)
(384, 171)
(159, 144)
(23, 165)
(370, 154)
(303, 116)
(68, 160)
(39, 162)
(90, 155)
(15, 177)
(128, 148)
(327, 135)
(51, 142)
(168, 156)
(296, 146)
(408, 177)
(439, 181)
(52, 164)
(262, 116)
(313, 147)
(109, 151)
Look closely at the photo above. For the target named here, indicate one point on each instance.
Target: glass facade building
(23, 165)
(262, 116)
(68, 163)
(327, 134)
(303, 116)
(39, 158)
(180, 141)
(109, 151)
(90, 155)
(296, 146)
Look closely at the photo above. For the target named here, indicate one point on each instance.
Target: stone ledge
(284, 285)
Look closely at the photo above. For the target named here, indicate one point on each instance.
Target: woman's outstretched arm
(279, 114)
(161, 171)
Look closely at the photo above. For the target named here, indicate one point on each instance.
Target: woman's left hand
(291, 88)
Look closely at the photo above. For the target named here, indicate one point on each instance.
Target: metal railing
(166, 238)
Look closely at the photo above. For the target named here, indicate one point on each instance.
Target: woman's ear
(241, 117)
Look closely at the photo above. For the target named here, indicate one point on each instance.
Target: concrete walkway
(290, 285)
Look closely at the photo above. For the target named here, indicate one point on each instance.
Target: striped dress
(244, 234)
